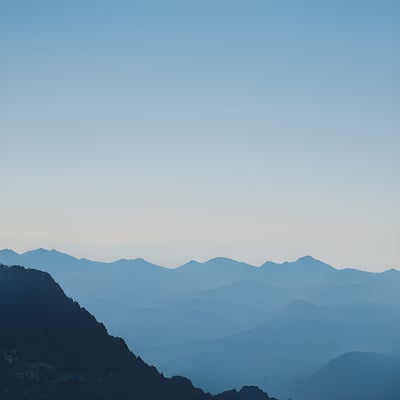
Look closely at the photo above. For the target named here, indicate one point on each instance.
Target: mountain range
(51, 348)
(226, 323)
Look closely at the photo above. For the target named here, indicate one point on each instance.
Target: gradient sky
(177, 130)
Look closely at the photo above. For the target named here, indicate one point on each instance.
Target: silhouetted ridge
(43, 324)
(51, 348)
(217, 262)
(303, 262)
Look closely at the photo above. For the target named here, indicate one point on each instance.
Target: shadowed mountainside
(226, 323)
(50, 348)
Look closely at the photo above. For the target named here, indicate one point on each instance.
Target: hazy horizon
(189, 130)
(172, 266)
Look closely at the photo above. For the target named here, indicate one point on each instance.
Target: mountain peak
(307, 258)
(391, 271)
(8, 257)
(137, 263)
(217, 260)
(214, 262)
(42, 251)
(305, 261)
(8, 252)
(38, 250)
(310, 262)
(124, 260)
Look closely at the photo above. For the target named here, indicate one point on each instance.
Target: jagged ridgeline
(51, 348)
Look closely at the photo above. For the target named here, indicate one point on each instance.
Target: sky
(178, 130)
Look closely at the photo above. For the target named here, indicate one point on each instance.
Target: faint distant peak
(8, 252)
(38, 250)
(308, 260)
(136, 262)
(122, 260)
(304, 262)
(217, 262)
(305, 259)
(391, 271)
(230, 262)
(222, 260)
(300, 308)
(190, 265)
(142, 260)
(42, 251)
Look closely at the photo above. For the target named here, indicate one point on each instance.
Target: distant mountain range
(51, 348)
(226, 324)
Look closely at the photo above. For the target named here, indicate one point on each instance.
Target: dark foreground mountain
(51, 348)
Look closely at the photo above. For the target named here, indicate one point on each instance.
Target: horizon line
(307, 256)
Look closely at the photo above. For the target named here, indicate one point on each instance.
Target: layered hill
(51, 348)
(226, 323)
(355, 375)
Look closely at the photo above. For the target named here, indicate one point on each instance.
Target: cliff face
(51, 348)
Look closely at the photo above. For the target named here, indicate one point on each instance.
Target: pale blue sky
(173, 130)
